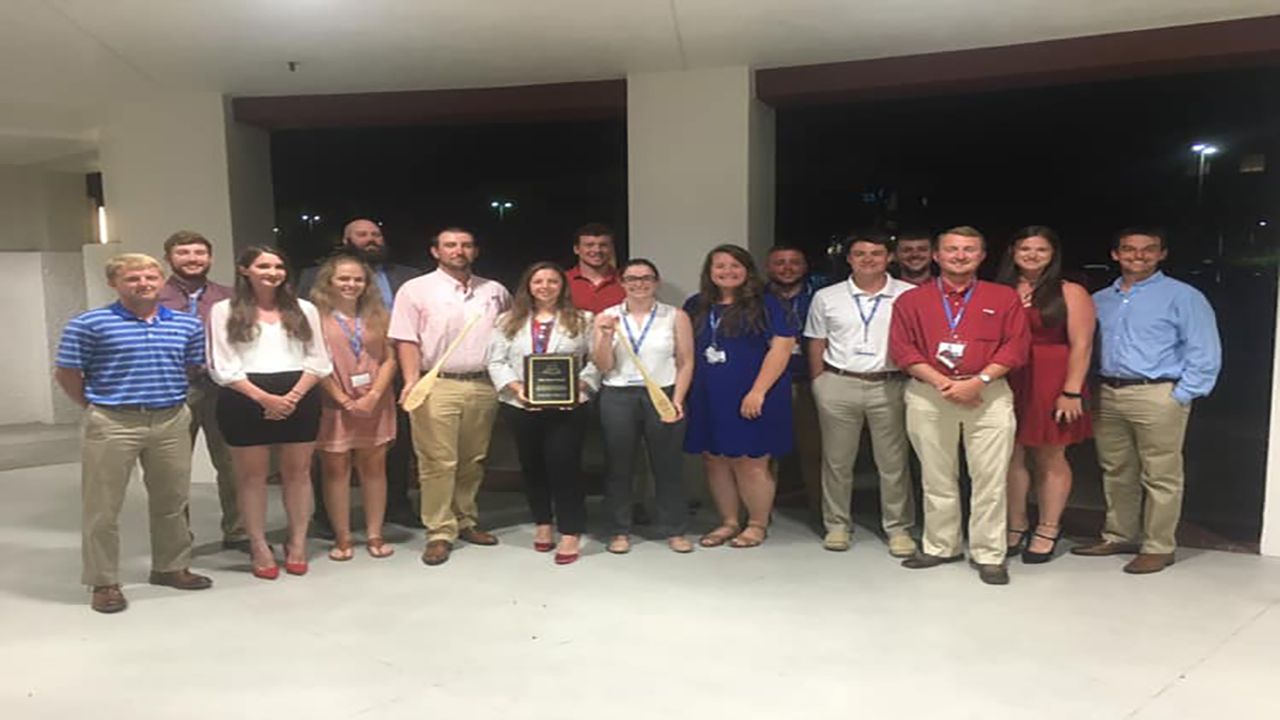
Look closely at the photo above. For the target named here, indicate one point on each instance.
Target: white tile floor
(784, 631)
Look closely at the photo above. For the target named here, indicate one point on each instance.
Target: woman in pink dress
(1048, 392)
(358, 416)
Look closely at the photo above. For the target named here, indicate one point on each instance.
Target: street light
(1202, 151)
(311, 221)
(502, 207)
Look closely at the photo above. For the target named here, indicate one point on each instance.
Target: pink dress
(340, 430)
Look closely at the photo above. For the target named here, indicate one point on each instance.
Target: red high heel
(267, 573)
(543, 546)
(295, 568)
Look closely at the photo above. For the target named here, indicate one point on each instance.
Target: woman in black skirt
(267, 353)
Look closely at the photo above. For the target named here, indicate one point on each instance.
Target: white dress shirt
(272, 350)
(855, 324)
(507, 354)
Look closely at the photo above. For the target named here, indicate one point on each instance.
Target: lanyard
(540, 334)
(866, 318)
(953, 319)
(355, 337)
(635, 344)
(713, 321)
(193, 300)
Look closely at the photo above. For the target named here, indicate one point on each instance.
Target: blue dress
(715, 425)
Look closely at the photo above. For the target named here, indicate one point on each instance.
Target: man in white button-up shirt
(854, 381)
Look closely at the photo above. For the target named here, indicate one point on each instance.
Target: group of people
(741, 373)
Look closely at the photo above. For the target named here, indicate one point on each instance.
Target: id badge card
(950, 354)
(715, 355)
(865, 349)
(359, 381)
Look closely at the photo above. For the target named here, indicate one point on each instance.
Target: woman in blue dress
(739, 406)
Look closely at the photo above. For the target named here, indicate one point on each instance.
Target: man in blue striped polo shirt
(127, 364)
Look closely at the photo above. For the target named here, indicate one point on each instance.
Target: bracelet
(1073, 396)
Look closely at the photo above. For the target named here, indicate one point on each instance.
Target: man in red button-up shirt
(593, 282)
(958, 337)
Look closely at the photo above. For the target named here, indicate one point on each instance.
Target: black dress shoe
(921, 561)
(321, 529)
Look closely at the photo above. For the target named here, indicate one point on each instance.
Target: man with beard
(363, 238)
(593, 282)
(794, 286)
(913, 254)
(189, 290)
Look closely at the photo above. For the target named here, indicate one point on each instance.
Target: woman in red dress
(1048, 392)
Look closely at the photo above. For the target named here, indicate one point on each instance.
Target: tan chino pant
(111, 442)
(936, 427)
(844, 404)
(1139, 433)
(451, 432)
(202, 401)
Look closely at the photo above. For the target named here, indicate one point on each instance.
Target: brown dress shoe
(437, 552)
(991, 574)
(108, 599)
(182, 579)
(1147, 563)
(478, 537)
(1104, 548)
(923, 561)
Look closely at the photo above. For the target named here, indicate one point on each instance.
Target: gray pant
(626, 415)
(202, 400)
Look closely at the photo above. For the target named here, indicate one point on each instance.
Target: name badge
(950, 354)
(865, 349)
(359, 381)
(715, 355)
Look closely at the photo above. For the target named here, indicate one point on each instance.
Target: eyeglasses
(639, 279)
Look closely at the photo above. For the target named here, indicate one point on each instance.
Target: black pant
(549, 444)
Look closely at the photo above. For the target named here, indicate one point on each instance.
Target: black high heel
(1016, 547)
(1035, 558)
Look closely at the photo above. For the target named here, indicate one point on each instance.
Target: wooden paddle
(422, 388)
(661, 403)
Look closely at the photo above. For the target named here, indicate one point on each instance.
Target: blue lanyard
(953, 319)
(635, 344)
(193, 300)
(355, 338)
(537, 338)
(713, 321)
(866, 319)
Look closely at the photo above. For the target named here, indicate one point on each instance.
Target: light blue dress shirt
(1160, 328)
(384, 286)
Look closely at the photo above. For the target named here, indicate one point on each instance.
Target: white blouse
(271, 351)
(657, 350)
(507, 354)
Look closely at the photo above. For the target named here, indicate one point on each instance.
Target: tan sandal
(680, 544)
(619, 545)
(378, 547)
(719, 535)
(342, 551)
(743, 540)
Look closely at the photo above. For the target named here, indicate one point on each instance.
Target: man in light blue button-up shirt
(1159, 351)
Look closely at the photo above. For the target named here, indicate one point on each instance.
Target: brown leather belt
(1128, 382)
(136, 408)
(476, 375)
(883, 375)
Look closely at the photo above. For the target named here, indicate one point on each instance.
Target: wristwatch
(985, 378)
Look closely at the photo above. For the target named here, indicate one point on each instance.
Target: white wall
(64, 298)
(25, 363)
(1270, 544)
(699, 169)
(43, 209)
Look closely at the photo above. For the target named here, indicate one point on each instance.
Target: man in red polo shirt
(593, 282)
(958, 337)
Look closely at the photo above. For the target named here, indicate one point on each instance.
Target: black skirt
(243, 422)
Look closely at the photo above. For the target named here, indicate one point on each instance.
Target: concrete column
(700, 169)
(182, 162)
(1270, 544)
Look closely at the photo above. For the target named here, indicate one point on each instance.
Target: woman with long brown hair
(266, 352)
(739, 412)
(1048, 392)
(358, 414)
(543, 319)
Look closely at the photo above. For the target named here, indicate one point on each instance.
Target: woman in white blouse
(267, 352)
(661, 336)
(543, 320)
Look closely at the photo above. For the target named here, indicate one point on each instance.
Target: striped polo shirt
(129, 361)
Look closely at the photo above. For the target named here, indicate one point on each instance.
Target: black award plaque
(551, 380)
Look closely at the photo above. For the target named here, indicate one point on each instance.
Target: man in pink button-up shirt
(451, 428)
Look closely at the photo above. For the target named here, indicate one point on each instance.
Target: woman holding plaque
(544, 334)
(358, 415)
(660, 338)
(266, 351)
(739, 404)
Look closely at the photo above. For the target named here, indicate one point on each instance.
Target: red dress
(1037, 385)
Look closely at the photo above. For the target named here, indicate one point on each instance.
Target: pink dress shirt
(432, 309)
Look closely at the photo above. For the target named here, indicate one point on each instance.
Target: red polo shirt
(993, 328)
(592, 297)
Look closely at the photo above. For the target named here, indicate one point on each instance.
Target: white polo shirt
(855, 324)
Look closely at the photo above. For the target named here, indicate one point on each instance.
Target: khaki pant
(936, 427)
(843, 405)
(802, 466)
(1139, 433)
(111, 442)
(451, 432)
(202, 401)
